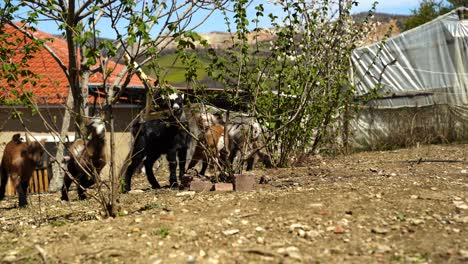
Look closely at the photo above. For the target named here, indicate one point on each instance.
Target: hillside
(222, 40)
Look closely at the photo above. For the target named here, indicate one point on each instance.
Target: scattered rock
(312, 234)
(260, 229)
(260, 240)
(380, 230)
(415, 221)
(186, 193)
(464, 254)
(414, 196)
(298, 226)
(9, 259)
(464, 220)
(383, 249)
(339, 230)
(316, 205)
(460, 205)
(231, 232)
(301, 233)
(135, 191)
(202, 253)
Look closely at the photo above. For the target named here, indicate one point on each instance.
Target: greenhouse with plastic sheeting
(420, 79)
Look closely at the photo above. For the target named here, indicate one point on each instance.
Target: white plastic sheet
(431, 65)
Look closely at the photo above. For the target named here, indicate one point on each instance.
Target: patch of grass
(400, 216)
(58, 223)
(163, 232)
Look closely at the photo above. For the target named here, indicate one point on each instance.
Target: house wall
(51, 118)
(38, 125)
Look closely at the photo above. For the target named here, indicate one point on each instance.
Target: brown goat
(213, 140)
(18, 163)
(87, 158)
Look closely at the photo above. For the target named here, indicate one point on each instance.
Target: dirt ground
(403, 206)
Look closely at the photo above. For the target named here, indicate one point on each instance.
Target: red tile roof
(52, 87)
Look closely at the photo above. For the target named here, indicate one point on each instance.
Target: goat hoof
(174, 185)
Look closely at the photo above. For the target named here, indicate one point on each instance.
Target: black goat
(162, 135)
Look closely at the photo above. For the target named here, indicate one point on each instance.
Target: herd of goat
(180, 131)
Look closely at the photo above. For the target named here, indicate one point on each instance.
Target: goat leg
(22, 189)
(149, 162)
(204, 166)
(172, 159)
(65, 187)
(182, 155)
(81, 193)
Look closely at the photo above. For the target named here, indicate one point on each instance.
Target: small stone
(316, 205)
(260, 240)
(191, 259)
(293, 252)
(414, 196)
(301, 233)
(9, 259)
(323, 212)
(312, 234)
(298, 226)
(460, 205)
(415, 221)
(338, 230)
(137, 220)
(231, 232)
(135, 191)
(380, 230)
(463, 171)
(464, 254)
(202, 253)
(434, 188)
(185, 194)
(383, 249)
(260, 229)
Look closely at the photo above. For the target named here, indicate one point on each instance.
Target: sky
(385, 6)
(216, 22)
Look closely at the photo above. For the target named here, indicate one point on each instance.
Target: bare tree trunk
(57, 172)
(112, 206)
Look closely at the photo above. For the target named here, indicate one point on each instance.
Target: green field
(173, 69)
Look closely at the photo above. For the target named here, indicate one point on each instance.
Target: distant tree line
(430, 9)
